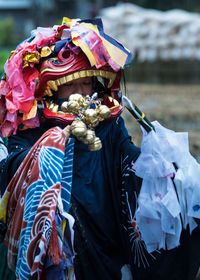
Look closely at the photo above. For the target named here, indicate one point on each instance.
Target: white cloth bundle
(3, 150)
(170, 194)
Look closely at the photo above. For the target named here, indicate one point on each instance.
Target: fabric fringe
(54, 248)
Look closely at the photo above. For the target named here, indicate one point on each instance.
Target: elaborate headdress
(52, 57)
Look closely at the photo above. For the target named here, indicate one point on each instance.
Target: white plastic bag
(3, 150)
(169, 199)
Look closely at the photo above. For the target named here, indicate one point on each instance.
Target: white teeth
(51, 106)
(47, 104)
(63, 80)
(110, 98)
(52, 85)
(58, 82)
(48, 92)
(61, 113)
(55, 109)
(116, 103)
(81, 74)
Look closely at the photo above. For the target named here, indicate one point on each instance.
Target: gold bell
(90, 113)
(77, 97)
(45, 51)
(64, 106)
(96, 145)
(73, 106)
(94, 123)
(104, 111)
(89, 137)
(90, 116)
(78, 128)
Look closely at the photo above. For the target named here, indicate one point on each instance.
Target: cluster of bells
(89, 112)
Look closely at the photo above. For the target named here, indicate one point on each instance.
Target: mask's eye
(55, 61)
(63, 54)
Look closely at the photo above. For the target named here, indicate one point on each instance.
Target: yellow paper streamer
(3, 206)
(32, 113)
(67, 21)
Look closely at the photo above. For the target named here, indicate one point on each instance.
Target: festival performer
(69, 188)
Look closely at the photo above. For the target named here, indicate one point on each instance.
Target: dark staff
(145, 123)
(137, 114)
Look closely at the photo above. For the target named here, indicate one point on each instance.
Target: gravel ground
(176, 107)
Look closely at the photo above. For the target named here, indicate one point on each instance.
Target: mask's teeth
(48, 92)
(58, 83)
(47, 104)
(61, 113)
(114, 101)
(52, 85)
(51, 106)
(55, 108)
(62, 81)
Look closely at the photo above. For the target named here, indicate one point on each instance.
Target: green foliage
(4, 55)
(7, 37)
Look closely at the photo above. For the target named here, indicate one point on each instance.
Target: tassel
(54, 248)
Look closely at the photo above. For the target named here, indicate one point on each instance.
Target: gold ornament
(88, 112)
(94, 123)
(104, 112)
(89, 137)
(45, 51)
(30, 58)
(64, 106)
(96, 145)
(78, 128)
(90, 116)
(77, 97)
(73, 106)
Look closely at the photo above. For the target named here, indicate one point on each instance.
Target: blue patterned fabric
(66, 181)
(45, 173)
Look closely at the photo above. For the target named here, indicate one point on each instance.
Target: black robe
(101, 182)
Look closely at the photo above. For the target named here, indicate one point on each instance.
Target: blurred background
(163, 35)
